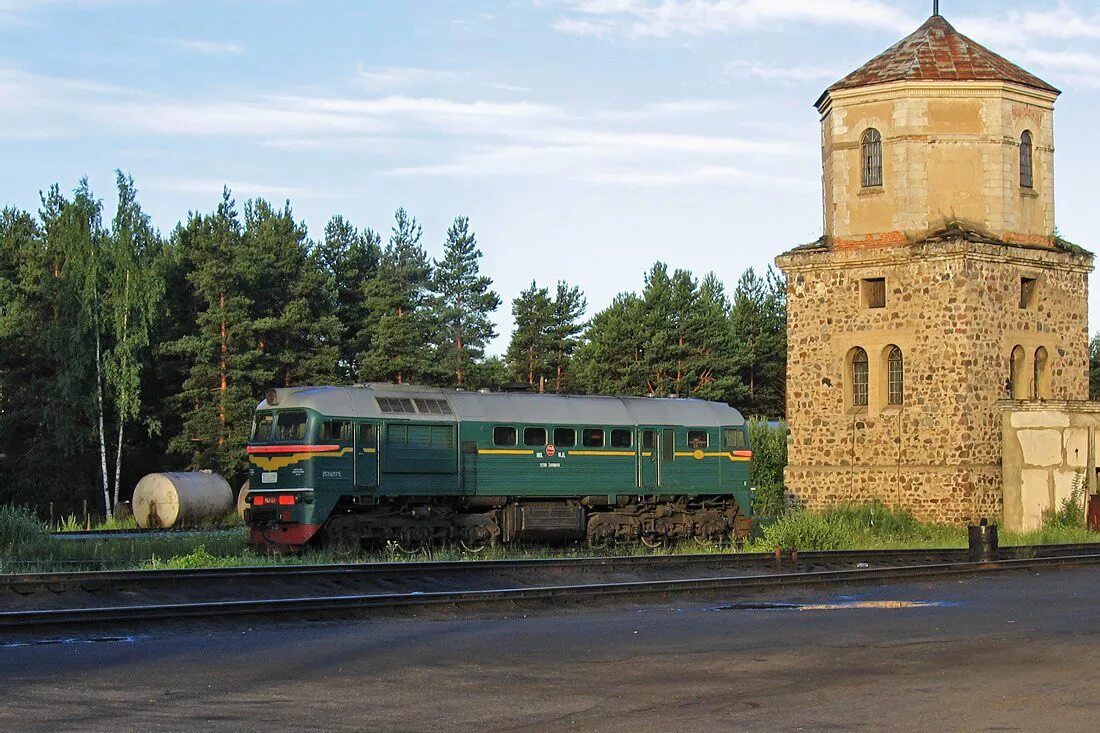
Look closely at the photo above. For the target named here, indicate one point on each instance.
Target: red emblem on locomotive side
(550, 450)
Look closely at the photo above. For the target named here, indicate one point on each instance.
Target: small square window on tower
(873, 292)
(1029, 292)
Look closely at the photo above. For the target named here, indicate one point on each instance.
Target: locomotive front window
(336, 431)
(261, 428)
(504, 435)
(592, 437)
(290, 426)
(621, 439)
(534, 436)
(735, 439)
(565, 437)
(697, 439)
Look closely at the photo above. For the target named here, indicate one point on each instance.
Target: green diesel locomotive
(415, 465)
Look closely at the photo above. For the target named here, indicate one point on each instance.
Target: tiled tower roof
(938, 52)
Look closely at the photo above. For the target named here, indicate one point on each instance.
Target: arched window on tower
(860, 376)
(872, 158)
(1027, 172)
(1016, 375)
(895, 376)
(1040, 380)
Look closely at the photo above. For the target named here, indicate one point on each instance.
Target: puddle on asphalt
(836, 606)
(85, 640)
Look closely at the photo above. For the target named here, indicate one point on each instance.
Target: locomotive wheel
(473, 546)
(653, 541)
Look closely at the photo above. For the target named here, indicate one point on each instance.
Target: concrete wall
(951, 151)
(1049, 449)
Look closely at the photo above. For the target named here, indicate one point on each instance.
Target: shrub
(769, 458)
(862, 526)
(19, 530)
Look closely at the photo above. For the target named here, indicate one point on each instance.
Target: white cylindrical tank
(180, 499)
(241, 496)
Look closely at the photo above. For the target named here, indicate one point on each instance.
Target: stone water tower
(939, 286)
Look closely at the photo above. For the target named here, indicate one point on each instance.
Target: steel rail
(92, 578)
(489, 598)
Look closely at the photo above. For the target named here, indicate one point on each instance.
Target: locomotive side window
(735, 439)
(621, 439)
(649, 439)
(697, 439)
(336, 431)
(366, 436)
(565, 437)
(504, 435)
(592, 437)
(261, 428)
(534, 436)
(290, 426)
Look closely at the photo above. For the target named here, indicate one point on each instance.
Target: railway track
(77, 598)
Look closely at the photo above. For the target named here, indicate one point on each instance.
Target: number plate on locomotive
(269, 477)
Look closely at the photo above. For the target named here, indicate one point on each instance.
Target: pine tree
(463, 302)
(531, 349)
(400, 332)
(349, 259)
(565, 329)
(226, 370)
(759, 321)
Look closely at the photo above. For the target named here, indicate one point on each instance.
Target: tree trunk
(102, 427)
(223, 387)
(458, 358)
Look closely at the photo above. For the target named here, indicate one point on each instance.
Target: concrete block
(1041, 447)
(1076, 441)
(1034, 496)
(1045, 419)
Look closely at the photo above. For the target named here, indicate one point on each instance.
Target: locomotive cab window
(735, 439)
(697, 439)
(290, 426)
(261, 428)
(565, 437)
(621, 438)
(592, 437)
(504, 435)
(335, 431)
(534, 436)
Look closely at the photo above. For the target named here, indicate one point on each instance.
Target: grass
(72, 524)
(25, 545)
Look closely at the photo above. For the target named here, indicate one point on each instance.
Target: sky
(585, 139)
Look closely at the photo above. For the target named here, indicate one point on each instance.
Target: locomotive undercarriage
(477, 523)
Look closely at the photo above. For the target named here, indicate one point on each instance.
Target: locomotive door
(648, 459)
(366, 456)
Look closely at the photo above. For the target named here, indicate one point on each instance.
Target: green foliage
(1070, 514)
(758, 319)
(19, 530)
(547, 334)
(463, 302)
(1094, 368)
(401, 330)
(769, 459)
(866, 526)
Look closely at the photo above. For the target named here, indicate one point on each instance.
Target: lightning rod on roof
(935, 7)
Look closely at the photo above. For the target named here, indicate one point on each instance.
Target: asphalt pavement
(1002, 652)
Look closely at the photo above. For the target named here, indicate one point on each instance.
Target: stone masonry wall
(954, 311)
(950, 152)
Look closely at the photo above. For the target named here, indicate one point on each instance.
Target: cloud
(665, 18)
(799, 72)
(247, 189)
(208, 48)
(1023, 27)
(403, 77)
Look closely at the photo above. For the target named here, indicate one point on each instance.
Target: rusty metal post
(778, 559)
(794, 558)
